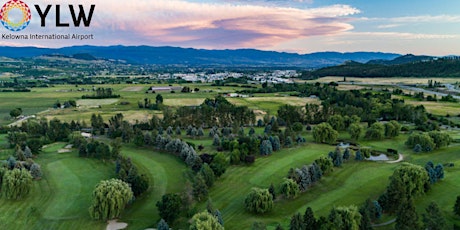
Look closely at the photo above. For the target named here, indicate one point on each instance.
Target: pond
(381, 157)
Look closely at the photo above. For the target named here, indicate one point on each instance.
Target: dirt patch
(96, 102)
(114, 225)
(184, 101)
(133, 89)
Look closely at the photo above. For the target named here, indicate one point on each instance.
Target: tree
(376, 131)
(208, 174)
(162, 225)
(423, 139)
(219, 164)
(205, 221)
(266, 148)
(296, 222)
(16, 183)
(392, 129)
(216, 140)
(337, 122)
(434, 219)
(35, 171)
(28, 152)
(219, 217)
(259, 201)
(200, 189)
(309, 220)
(407, 181)
(344, 218)
(457, 206)
(440, 139)
(159, 99)
(110, 198)
(289, 188)
(272, 191)
(324, 133)
(169, 207)
(16, 112)
(358, 155)
(406, 217)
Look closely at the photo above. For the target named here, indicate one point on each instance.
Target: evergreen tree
(309, 220)
(406, 216)
(434, 219)
(272, 191)
(35, 171)
(457, 206)
(296, 222)
(162, 225)
(219, 217)
(27, 152)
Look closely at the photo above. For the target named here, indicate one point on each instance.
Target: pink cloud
(206, 25)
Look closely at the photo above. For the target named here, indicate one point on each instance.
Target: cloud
(206, 25)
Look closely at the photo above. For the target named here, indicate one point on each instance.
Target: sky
(430, 27)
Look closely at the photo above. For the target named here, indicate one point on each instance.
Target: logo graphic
(15, 15)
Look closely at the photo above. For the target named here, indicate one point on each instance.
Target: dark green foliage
(309, 220)
(200, 189)
(259, 201)
(365, 223)
(95, 149)
(392, 129)
(16, 184)
(110, 198)
(344, 218)
(169, 206)
(291, 114)
(423, 139)
(434, 219)
(325, 164)
(128, 173)
(162, 225)
(440, 139)
(375, 132)
(406, 216)
(324, 133)
(279, 227)
(219, 164)
(407, 182)
(208, 174)
(258, 226)
(337, 122)
(101, 93)
(457, 206)
(15, 112)
(296, 222)
(272, 191)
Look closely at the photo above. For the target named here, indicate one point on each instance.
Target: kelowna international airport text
(47, 36)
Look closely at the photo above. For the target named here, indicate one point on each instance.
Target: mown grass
(60, 200)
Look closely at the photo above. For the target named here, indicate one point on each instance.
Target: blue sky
(304, 26)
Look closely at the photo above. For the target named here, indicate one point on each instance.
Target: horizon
(292, 26)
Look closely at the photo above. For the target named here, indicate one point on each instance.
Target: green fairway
(60, 200)
(166, 173)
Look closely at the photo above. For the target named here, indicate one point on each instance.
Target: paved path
(401, 158)
(384, 224)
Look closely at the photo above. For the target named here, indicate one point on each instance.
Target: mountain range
(200, 57)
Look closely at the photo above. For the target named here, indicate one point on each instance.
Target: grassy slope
(166, 171)
(61, 199)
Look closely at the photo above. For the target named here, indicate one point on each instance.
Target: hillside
(411, 67)
(201, 57)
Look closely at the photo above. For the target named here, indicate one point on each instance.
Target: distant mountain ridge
(188, 56)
